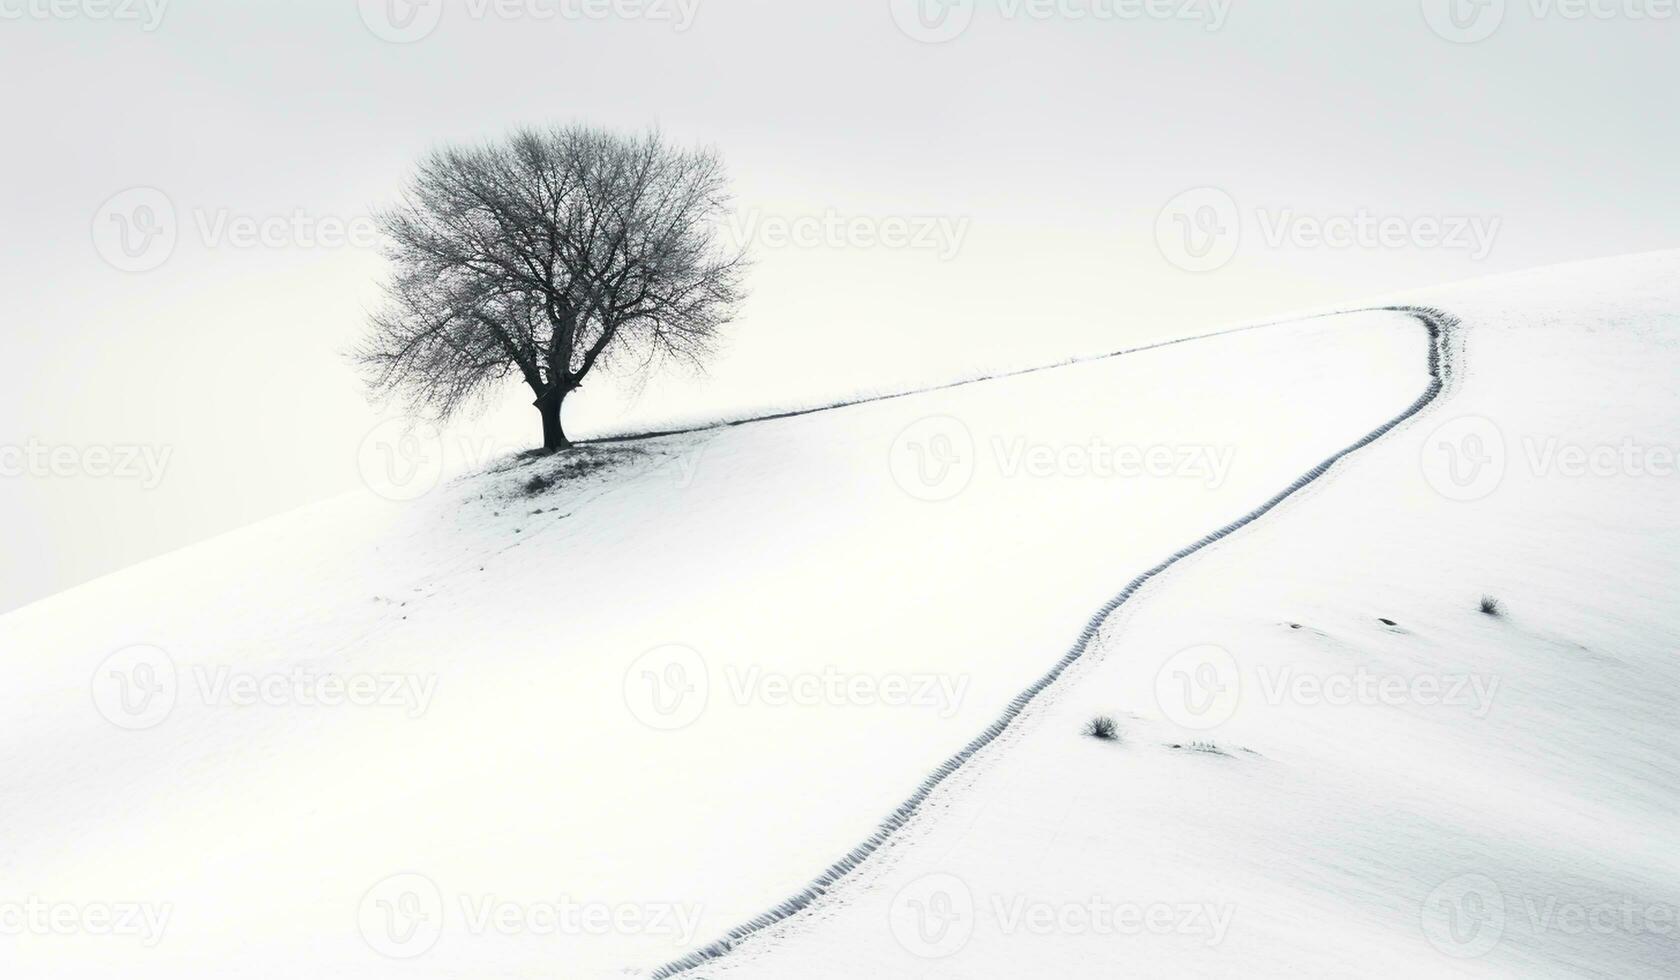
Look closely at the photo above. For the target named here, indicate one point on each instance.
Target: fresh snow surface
(583, 761)
(1454, 794)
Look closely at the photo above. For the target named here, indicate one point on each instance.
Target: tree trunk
(554, 437)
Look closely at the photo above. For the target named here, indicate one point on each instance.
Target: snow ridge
(1441, 326)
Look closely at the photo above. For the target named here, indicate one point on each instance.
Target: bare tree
(544, 256)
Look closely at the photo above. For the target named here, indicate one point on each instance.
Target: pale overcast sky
(930, 188)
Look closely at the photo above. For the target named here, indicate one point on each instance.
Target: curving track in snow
(1440, 326)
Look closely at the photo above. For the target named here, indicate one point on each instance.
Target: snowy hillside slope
(1333, 761)
(511, 729)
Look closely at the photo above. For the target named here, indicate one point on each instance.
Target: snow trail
(1440, 326)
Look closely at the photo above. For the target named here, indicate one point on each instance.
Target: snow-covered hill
(1333, 762)
(582, 717)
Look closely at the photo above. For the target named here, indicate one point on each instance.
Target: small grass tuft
(1208, 748)
(1102, 728)
(1491, 607)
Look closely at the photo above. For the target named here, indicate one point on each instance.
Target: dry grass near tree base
(560, 468)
